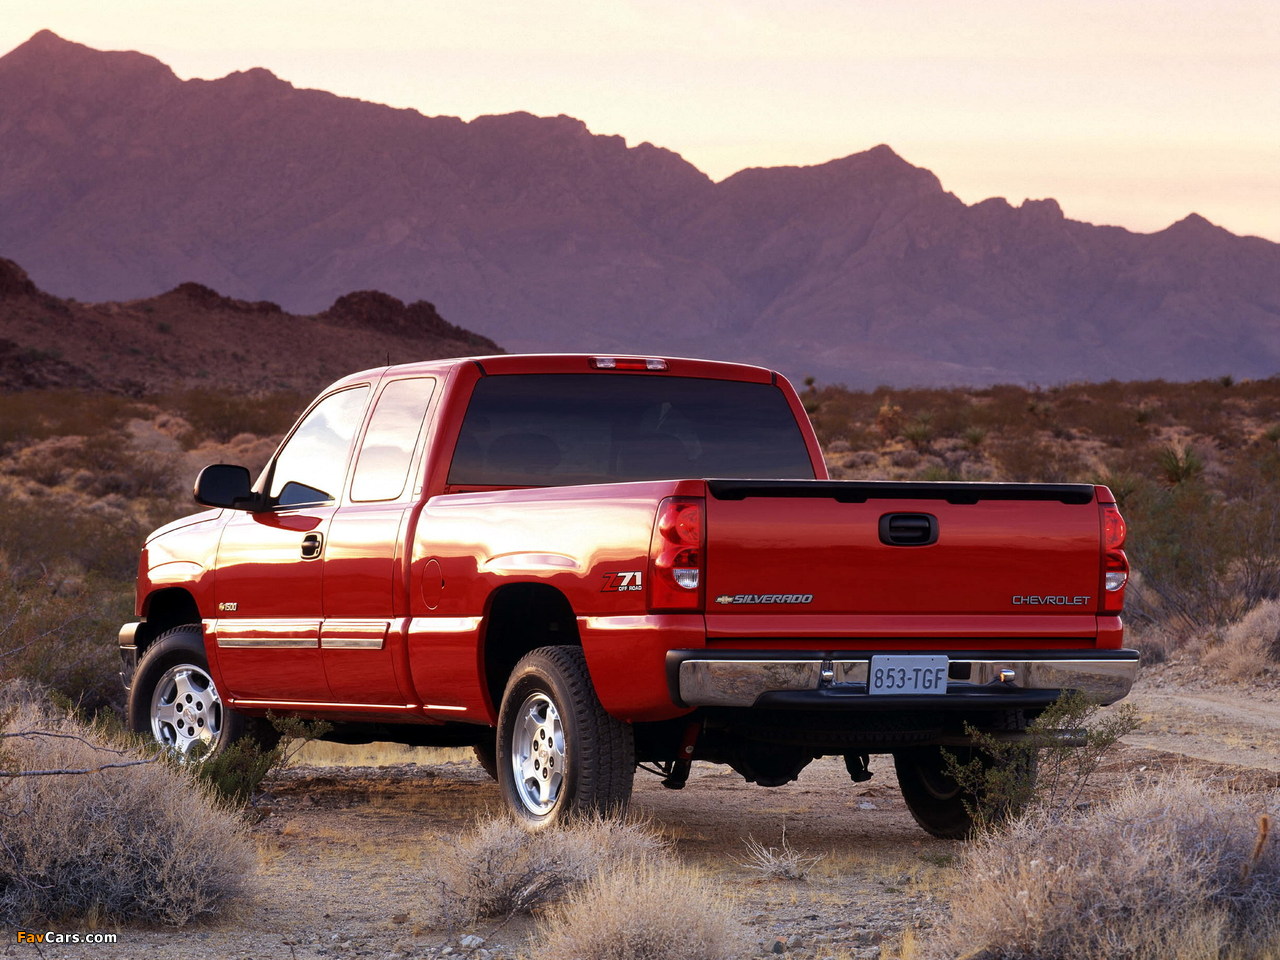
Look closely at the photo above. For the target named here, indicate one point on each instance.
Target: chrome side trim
(419, 625)
(265, 634)
(265, 643)
(739, 683)
(350, 643)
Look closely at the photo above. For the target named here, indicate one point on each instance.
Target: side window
(387, 452)
(313, 462)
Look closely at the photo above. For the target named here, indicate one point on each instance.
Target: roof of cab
(505, 364)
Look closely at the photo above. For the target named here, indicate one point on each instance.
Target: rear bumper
(836, 680)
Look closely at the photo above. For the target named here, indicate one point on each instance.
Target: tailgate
(804, 559)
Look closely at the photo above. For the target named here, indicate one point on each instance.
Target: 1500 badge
(765, 598)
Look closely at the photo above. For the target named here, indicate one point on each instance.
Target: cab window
(313, 463)
(382, 471)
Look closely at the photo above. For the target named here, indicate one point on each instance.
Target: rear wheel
(559, 753)
(937, 801)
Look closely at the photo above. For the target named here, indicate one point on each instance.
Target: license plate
(908, 674)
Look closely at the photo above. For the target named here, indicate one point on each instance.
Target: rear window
(532, 430)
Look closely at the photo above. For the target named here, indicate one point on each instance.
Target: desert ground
(346, 839)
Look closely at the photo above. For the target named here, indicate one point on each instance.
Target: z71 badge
(623, 582)
(765, 598)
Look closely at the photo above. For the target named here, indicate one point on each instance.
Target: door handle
(312, 544)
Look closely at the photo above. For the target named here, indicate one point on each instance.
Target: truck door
(268, 588)
(365, 579)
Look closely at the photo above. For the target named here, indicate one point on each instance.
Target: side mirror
(225, 485)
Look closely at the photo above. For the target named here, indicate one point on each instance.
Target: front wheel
(174, 702)
(559, 753)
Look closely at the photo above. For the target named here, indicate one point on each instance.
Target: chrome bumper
(741, 681)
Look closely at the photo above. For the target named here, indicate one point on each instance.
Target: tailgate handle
(908, 529)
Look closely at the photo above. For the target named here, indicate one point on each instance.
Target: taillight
(1115, 565)
(675, 555)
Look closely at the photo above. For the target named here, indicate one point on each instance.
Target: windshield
(531, 430)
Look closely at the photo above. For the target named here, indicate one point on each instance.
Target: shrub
(1179, 465)
(1204, 559)
(1042, 770)
(1249, 648)
(56, 628)
(221, 415)
(1025, 460)
(499, 869)
(236, 774)
(783, 862)
(1262, 623)
(651, 912)
(1161, 872)
(132, 844)
(38, 414)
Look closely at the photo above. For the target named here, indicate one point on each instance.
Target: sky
(1128, 112)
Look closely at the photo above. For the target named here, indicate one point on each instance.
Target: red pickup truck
(509, 552)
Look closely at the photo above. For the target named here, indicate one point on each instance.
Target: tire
(934, 798)
(487, 756)
(173, 700)
(560, 755)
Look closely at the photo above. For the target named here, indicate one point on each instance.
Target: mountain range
(193, 337)
(119, 180)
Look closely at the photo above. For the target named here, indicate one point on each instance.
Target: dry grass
(652, 911)
(138, 844)
(1240, 657)
(1163, 872)
(1250, 647)
(783, 862)
(499, 869)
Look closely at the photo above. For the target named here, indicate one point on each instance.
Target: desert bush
(783, 862)
(500, 869)
(39, 414)
(1160, 872)
(1040, 770)
(1239, 658)
(98, 537)
(1155, 643)
(652, 911)
(220, 415)
(919, 432)
(1038, 460)
(130, 844)
(1179, 464)
(236, 774)
(1204, 559)
(1262, 622)
(56, 629)
(1248, 649)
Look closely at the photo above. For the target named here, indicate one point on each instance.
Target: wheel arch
(520, 618)
(163, 610)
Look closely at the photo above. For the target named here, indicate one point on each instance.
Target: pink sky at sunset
(1133, 113)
